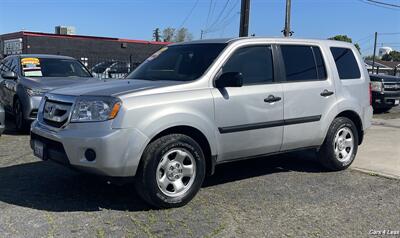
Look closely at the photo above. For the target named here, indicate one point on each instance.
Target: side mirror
(229, 79)
(9, 75)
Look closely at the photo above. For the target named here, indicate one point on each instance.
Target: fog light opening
(90, 155)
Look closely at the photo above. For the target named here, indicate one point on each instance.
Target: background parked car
(111, 69)
(25, 78)
(385, 92)
(2, 119)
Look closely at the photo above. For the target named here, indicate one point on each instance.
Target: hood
(50, 83)
(391, 80)
(113, 88)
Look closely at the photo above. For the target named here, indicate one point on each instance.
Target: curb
(375, 173)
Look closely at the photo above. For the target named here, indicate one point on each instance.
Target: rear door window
(346, 63)
(303, 63)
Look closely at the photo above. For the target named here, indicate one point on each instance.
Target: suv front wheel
(172, 171)
(20, 123)
(340, 145)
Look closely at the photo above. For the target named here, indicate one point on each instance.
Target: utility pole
(286, 31)
(373, 57)
(156, 34)
(201, 34)
(244, 18)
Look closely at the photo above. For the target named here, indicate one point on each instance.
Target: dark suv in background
(25, 78)
(385, 92)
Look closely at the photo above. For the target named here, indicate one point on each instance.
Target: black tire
(327, 155)
(146, 178)
(21, 124)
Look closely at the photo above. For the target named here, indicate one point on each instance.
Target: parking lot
(281, 196)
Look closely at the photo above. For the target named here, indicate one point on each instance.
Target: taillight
(370, 94)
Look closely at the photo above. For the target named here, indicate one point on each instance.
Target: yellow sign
(30, 61)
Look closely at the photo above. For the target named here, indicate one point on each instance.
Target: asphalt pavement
(280, 196)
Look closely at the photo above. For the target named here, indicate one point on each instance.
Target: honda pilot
(192, 106)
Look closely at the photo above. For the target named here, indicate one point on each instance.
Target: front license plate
(396, 102)
(38, 149)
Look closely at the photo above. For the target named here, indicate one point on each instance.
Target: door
(249, 118)
(10, 85)
(6, 84)
(309, 95)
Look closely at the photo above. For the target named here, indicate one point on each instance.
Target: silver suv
(192, 106)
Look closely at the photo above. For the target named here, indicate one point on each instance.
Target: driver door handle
(326, 93)
(272, 99)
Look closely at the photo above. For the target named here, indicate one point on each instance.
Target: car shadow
(51, 187)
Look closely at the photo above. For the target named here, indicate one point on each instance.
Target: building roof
(377, 64)
(44, 56)
(83, 37)
(390, 64)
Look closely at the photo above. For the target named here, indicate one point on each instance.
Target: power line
(383, 3)
(224, 24)
(390, 33)
(220, 14)
(189, 14)
(208, 14)
(364, 38)
(226, 20)
(379, 5)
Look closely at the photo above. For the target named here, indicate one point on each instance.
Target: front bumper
(118, 151)
(30, 107)
(385, 100)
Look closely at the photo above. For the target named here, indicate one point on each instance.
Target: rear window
(346, 63)
(303, 63)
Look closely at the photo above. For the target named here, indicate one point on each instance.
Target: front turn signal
(115, 110)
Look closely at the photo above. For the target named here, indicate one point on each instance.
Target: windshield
(178, 63)
(53, 67)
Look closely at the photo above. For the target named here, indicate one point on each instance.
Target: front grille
(392, 87)
(56, 113)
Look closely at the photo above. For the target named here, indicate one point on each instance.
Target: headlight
(34, 92)
(94, 109)
(376, 86)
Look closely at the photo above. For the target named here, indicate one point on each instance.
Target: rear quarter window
(346, 63)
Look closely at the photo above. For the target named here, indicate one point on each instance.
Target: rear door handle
(272, 98)
(326, 93)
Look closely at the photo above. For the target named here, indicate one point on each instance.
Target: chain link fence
(110, 68)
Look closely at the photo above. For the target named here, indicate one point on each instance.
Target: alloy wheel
(176, 172)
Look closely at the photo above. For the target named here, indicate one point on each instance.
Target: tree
(345, 38)
(392, 56)
(156, 34)
(183, 34)
(370, 57)
(168, 34)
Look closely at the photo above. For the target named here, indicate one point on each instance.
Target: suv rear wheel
(340, 145)
(172, 171)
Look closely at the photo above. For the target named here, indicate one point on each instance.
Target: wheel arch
(196, 135)
(355, 118)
